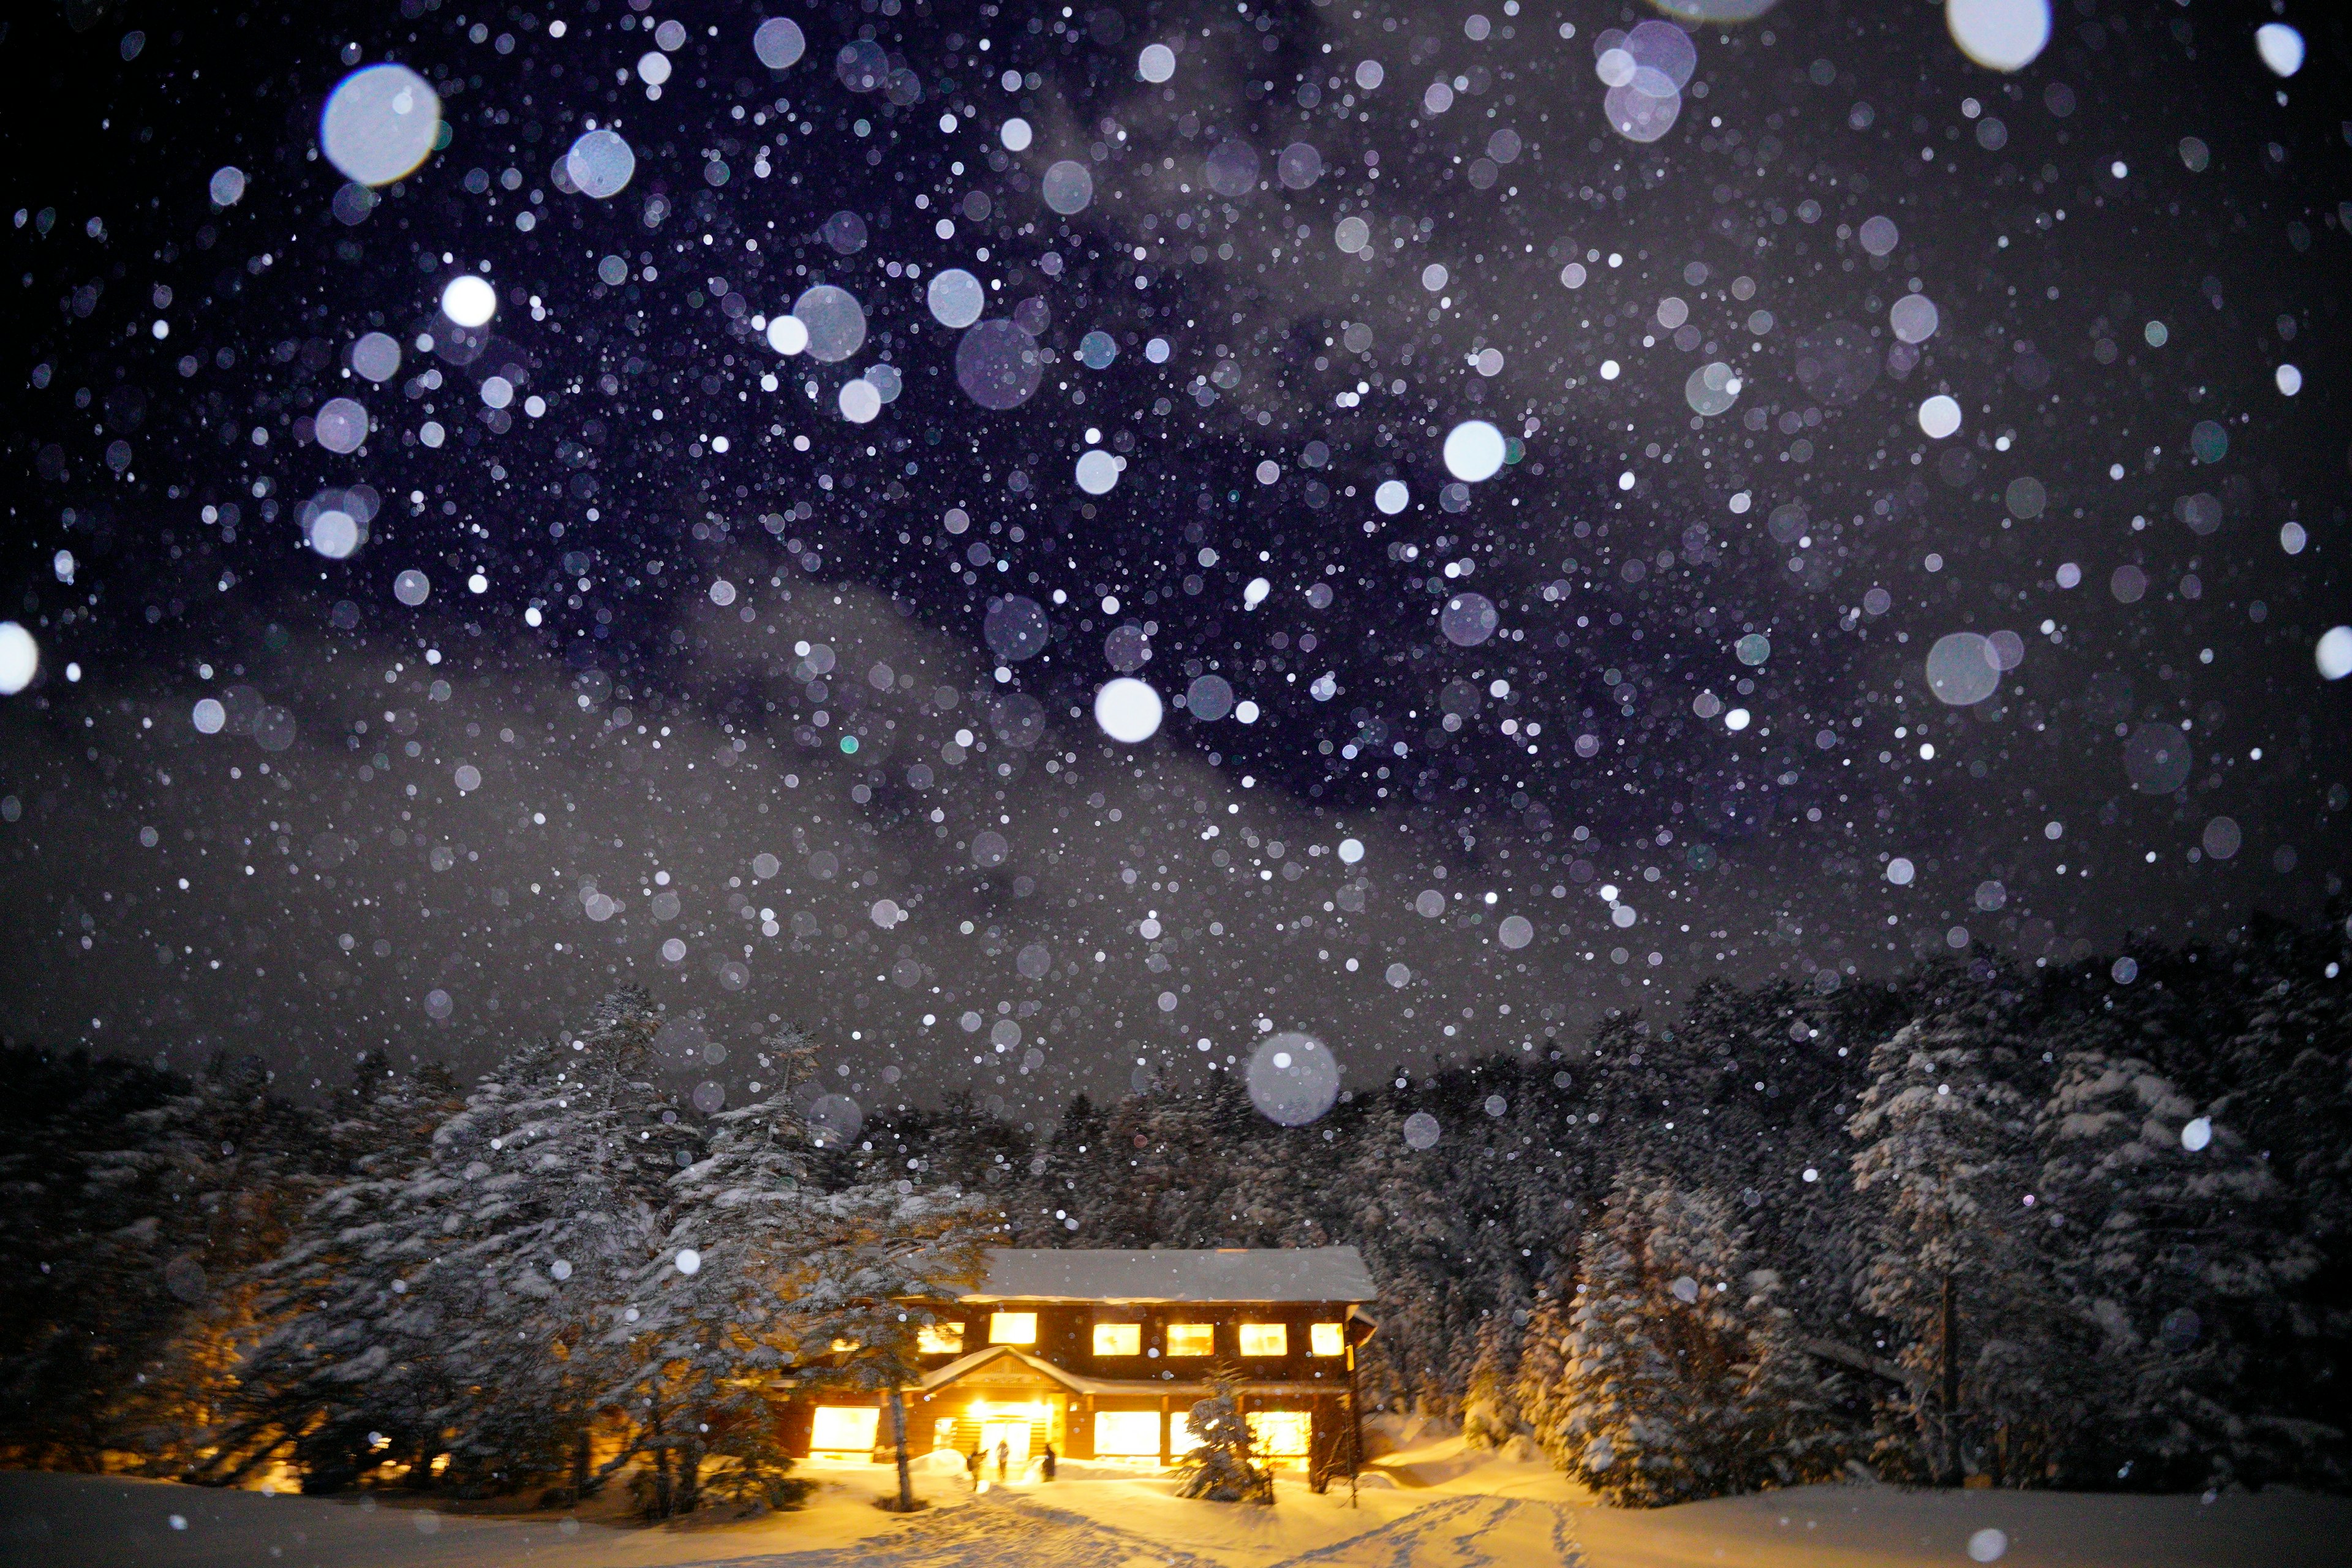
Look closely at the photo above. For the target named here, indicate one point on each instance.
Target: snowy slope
(105, 1521)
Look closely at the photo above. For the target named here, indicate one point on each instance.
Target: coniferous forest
(2086, 1227)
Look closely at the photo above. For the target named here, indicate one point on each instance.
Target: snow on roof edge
(1236, 1274)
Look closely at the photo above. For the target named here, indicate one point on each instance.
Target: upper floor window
(939, 1339)
(1119, 1339)
(1013, 1328)
(1325, 1339)
(1192, 1339)
(1266, 1339)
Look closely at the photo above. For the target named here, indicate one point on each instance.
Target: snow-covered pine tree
(1654, 1386)
(1539, 1388)
(2181, 1249)
(1946, 1166)
(1490, 1408)
(1223, 1465)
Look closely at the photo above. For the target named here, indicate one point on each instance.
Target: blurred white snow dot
(1370, 74)
(1468, 619)
(674, 950)
(469, 300)
(228, 185)
(1987, 1545)
(779, 43)
(20, 657)
(1879, 236)
(2281, 48)
(1963, 669)
(1255, 593)
(1913, 318)
(560, 1269)
(1752, 650)
(1209, 698)
(722, 593)
(834, 319)
(1128, 709)
(1939, 416)
(1391, 497)
(834, 1120)
(208, 716)
(1097, 471)
(438, 1004)
(1735, 720)
(2197, 1134)
(652, 68)
(709, 1097)
(179, 1522)
(376, 357)
(1246, 711)
(379, 124)
(335, 533)
(411, 587)
(2124, 971)
(1068, 187)
(786, 335)
(1015, 134)
(1516, 932)
(861, 401)
(2333, 655)
(1351, 851)
(1293, 1080)
(1351, 234)
(886, 913)
(1157, 63)
(1399, 975)
(2289, 380)
(2223, 838)
(2000, 35)
(340, 426)
(600, 164)
(469, 778)
(1899, 871)
(1711, 389)
(1420, 1130)
(955, 296)
(1474, 451)
(689, 1261)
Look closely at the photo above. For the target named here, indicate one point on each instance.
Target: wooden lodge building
(1103, 1354)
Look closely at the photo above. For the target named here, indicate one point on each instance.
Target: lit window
(1013, 1328)
(1325, 1339)
(1192, 1339)
(1280, 1434)
(844, 1428)
(1127, 1434)
(939, 1339)
(844, 1346)
(1266, 1339)
(1119, 1339)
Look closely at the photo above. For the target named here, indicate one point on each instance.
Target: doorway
(1014, 1434)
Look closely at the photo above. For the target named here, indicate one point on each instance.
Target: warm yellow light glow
(1325, 1339)
(1280, 1434)
(1127, 1434)
(1266, 1339)
(1013, 1328)
(844, 1428)
(1192, 1339)
(844, 1346)
(939, 1339)
(1119, 1339)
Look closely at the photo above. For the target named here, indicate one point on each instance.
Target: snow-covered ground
(1433, 1506)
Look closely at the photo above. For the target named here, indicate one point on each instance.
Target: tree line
(2080, 1226)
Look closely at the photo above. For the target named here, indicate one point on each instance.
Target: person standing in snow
(971, 1467)
(1003, 1459)
(1046, 1465)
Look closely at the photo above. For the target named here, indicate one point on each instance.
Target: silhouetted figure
(1003, 1458)
(1046, 1465)
(971, 1467)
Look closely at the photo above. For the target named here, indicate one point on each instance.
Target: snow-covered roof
(1176, 1274)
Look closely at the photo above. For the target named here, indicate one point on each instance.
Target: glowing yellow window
(1281, 1433)
(1119, 1339)
(1013, 1328)
(844, 1428)
(1325, 1339)
(1192, 1339)
(1126, 1432)
(939, 1339)
(1266, 1339)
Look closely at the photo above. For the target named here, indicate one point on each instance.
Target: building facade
(1103, 1354)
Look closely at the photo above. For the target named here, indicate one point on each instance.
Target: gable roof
(1236, 1274)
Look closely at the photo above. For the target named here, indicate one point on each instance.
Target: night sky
(607, 642)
